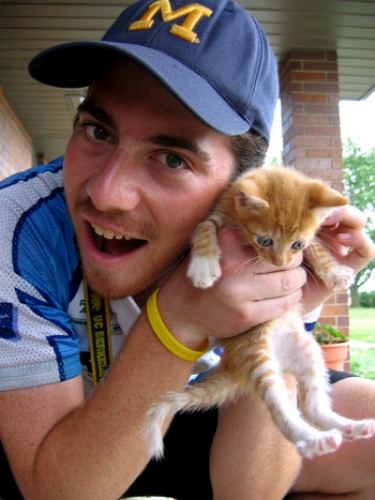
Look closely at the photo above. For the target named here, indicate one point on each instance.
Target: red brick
(345, 331)
(311, 142)
(343, 320)
(301, 55)
(288, 159)
(330, 175)
(331, 300)
(336, 142)
(299, 153)
(287, 111)
(338, 186)
(334, 120)
(311, 119)
(335, 309)
(315, 164)
(309, 98)
(296, 87)
(324, 153)
(300, 76)
(288, 65)
(288, 146)
(338, 164)
(326, 67)
(327, 320)
(333, 98)
(288, 124)
(321, 87)
(331, 56)
(292, 132)
(326, 131)
(342, 297)
(332, 77)
(298, 108)
(321, 109)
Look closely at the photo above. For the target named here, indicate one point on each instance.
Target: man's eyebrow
(170, 141)
(96, 112)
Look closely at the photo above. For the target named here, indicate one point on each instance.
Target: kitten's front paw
(339, 277)
(203, 271)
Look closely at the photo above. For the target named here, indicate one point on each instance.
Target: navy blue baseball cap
(213, 56)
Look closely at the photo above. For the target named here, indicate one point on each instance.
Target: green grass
(362, 327)
(362, 324)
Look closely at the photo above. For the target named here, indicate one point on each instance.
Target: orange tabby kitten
(278, 212)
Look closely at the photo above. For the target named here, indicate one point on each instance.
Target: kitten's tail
(217, 389)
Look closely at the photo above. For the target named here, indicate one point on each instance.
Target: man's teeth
(107, 234)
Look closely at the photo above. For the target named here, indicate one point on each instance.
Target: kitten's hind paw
(324, 442)
(204, 271)
(361, 429)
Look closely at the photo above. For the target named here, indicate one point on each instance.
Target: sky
(357, 122)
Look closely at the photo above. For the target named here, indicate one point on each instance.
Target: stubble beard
(103, 283)
(114, 285)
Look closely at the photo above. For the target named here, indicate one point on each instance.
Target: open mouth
(112, 243)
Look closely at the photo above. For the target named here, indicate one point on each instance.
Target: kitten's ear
(324, 199)
(247, 197)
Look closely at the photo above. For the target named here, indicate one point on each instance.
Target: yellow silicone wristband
(165, 336)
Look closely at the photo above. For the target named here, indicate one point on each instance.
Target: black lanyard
(98, 326)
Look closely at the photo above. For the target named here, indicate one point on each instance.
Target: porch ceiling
(27, 27)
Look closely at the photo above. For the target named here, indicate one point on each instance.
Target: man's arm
(63, 447)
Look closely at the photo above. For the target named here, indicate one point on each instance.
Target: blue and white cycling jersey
(39, 276)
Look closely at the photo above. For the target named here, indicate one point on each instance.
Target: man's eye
(171, 160)
(98, 133)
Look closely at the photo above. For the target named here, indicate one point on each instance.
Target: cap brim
(77, 64)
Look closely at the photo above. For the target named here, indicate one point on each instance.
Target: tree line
(359, 182)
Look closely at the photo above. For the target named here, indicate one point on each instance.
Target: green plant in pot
(334, 345)
(328, 334)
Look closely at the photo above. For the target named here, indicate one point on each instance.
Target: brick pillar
(309, 93)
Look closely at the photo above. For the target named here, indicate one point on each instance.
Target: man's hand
(343, 233)
(247, 294)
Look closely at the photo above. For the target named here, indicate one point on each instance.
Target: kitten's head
(280, 210)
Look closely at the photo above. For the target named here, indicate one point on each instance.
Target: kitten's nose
(280, 261)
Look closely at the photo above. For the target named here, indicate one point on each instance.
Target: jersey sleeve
(39, 269)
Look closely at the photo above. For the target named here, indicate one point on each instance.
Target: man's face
(140, 173)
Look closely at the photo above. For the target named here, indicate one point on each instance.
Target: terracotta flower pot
(335, 355)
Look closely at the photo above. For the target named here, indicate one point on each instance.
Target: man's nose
(115, 185)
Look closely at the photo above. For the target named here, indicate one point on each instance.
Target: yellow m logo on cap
(193, 13)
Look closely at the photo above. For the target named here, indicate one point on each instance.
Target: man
(175, 108)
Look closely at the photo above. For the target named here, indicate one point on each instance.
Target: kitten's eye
(264, 242)
(171, 160)
(298, 245)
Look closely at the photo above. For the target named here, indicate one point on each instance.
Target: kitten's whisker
(309, 270)
(325, 243)
(247, 262)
